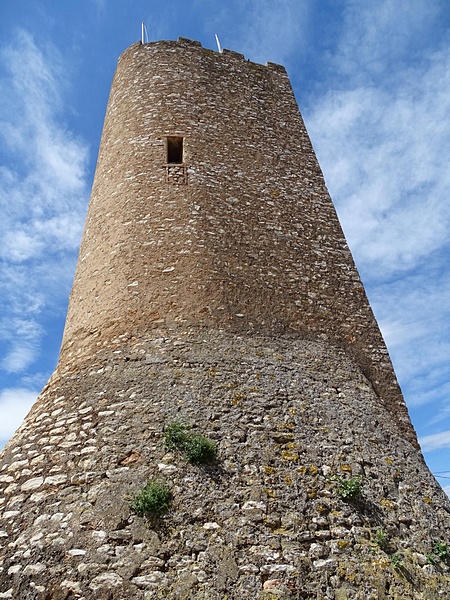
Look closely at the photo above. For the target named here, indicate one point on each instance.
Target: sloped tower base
(265, 520)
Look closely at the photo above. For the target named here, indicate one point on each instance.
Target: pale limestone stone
(325, 564)
(34, 569)
(14, 569)
(253, 505)
(12, 487)
(270, 568)
(73, 586)
(166, 468)
(145, 581)
(76, 552)
(38, 496)
(37, 459)
(55, 479)
(211, 526)
(32, 484)
(10, 514)
(57, 517)
(107, 579)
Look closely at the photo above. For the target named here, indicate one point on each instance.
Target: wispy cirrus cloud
(382, 136)
(385, 155)
(435, 441)
(379, 36)
(43, 191)
(23, 336)
(261, 29)
(14, 405)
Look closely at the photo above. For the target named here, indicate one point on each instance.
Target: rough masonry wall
(264, 522)
(219, 293)
(250, 243)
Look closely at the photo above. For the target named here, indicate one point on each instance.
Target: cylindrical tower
(217, 314)
(209, 208)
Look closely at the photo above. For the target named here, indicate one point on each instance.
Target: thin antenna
(144, 33)
(219, 47)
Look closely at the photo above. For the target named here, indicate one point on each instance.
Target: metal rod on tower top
(219, 47)
(144, 33)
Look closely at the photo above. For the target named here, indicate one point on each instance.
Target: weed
(195, 447)
(349, 490)
(382, 540)
(175, 436)
(152, 500)
(396, 560)
(199, 449)
(441, 551)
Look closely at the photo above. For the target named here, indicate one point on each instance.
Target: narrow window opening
(175, 150)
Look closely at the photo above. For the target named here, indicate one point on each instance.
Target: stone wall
(265, 520)
(250, 243)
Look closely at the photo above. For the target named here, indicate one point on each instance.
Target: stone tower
(215, 290)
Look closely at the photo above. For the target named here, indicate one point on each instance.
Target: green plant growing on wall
(195, 447)
(349, 490)
(382, 540)
(175, 436)
(153, 500)
(440, 552)
(397, 561)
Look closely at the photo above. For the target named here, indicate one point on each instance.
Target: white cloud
(382, 136)
(378, 36)
(23, 336)
(263, 30)
(47, 179)
(43, 194)
(384, 152)
(14, 406)
(435, 441)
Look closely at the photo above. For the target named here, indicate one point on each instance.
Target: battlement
(226, 53)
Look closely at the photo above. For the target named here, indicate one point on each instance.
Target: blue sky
(372, 78)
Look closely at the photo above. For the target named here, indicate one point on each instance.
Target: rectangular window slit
(175, 150)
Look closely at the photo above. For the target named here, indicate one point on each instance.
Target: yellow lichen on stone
(388, 504)
(237, 398)
(269, 470)
(291, 445)
(290, 456)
